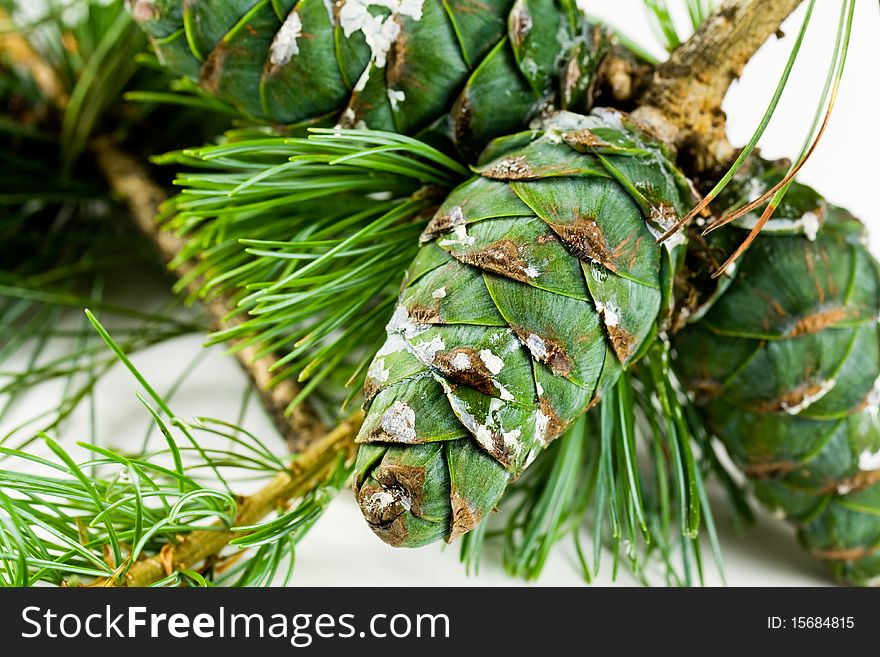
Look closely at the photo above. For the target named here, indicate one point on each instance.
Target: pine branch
(131, 180)
(683, 99)
(307, 471)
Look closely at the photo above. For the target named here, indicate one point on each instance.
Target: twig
(131, 180)
(23, 55)
(682, 101)
(310, 468)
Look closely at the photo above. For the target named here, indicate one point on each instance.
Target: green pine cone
(785, 358)
(469, 70)
(537, 282)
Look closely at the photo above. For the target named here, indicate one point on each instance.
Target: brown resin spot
(476, 375)
(547, 238)
(826, 261)
(555, 426)
(212, 69)
(584, 140)
(845, 554)
(396, 67)
(439, 224)
(407, 481)
(854, 483)
(353, 114)
(769, 470)
(379, 435)
(586, 241)
(371, 389)
(662, 214)
(464, 518)
(790, 399)
(500, 258)
(385, 507)
(556, 358)
(493, 444)
(811, 271)
(773, 304)
(623, 342)
(571, 78)
(499, 451)
(461, 118)
(818, 321)
(520, 24)
(422, 314)
(375, 512)
(394, 533)
(509, 168)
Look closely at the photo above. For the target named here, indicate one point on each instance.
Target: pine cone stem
(683, 99)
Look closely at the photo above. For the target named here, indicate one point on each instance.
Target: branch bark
(682, 101)
(131, 180)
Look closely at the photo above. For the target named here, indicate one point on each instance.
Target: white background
(341, 550)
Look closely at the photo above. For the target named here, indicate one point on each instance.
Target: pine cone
(537, 283)
(457, 69)
(785, 358)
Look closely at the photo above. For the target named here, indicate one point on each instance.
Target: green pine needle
(663, 23)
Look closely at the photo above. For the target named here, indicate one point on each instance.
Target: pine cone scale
(543, 329)
(786, 361)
